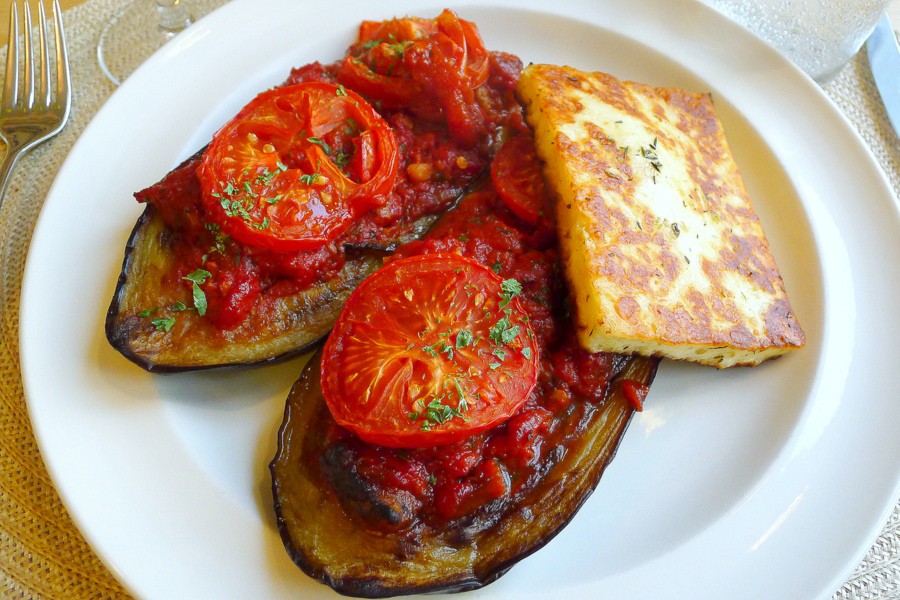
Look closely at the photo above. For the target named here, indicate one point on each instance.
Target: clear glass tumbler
(820, 36)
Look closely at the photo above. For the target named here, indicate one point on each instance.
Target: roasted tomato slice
(427, 351)
(293, 169)
(431, 66)
(517, 177)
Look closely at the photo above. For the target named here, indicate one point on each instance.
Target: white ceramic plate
(768, 482)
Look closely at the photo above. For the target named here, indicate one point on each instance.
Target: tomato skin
(432, 66)
(418, 356)
(517, 176)
(290, 172)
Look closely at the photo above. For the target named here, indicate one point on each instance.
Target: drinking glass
(820, 36)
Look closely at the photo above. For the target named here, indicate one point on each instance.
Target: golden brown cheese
(662, 249)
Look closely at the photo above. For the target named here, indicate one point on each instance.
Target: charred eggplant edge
(118, 337)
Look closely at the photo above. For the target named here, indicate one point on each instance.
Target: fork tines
(23, 94)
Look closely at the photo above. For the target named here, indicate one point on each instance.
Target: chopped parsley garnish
(235, 208)
(163, 324)
(220, 238)
(197, 278)
(463, 338)
(265, 177)
(447, 349)
(510, 288)
(496, 332)
(436, 413)
(399, 48)
(325, 147)
(341, 159)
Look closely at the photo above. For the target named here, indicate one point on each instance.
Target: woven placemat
(42, 553)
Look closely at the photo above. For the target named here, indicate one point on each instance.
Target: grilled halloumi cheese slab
(662, 249)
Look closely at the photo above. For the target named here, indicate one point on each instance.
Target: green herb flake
(496, 332)
(163, 324)
(509, 334)
(447, 349)
(463, 404)
(309, 178)
(325, 147)
(437, 413)
(510, 288)
(341, 159)
(199, 276)
(199, 300)
(463, 338)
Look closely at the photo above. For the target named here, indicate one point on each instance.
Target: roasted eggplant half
(282, 326)
(323, 520)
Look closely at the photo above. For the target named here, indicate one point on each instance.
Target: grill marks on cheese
(662, 248)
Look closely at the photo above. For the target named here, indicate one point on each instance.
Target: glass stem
(173, 16)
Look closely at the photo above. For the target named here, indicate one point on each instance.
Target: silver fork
(30, 115)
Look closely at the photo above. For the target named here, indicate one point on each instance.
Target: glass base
(142, 28)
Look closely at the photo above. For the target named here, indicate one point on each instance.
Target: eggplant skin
(337, 550)
(285, 327)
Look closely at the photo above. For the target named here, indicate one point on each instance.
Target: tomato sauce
(449, 118)
(435, 168)
(465, 483)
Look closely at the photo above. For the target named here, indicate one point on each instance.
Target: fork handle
(6, 166)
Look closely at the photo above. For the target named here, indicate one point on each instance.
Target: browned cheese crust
(662, 248)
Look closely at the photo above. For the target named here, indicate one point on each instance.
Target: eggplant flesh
(284, 327)
(332, 546)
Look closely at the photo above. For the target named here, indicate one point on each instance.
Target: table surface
(862, 586)
(893, 11)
